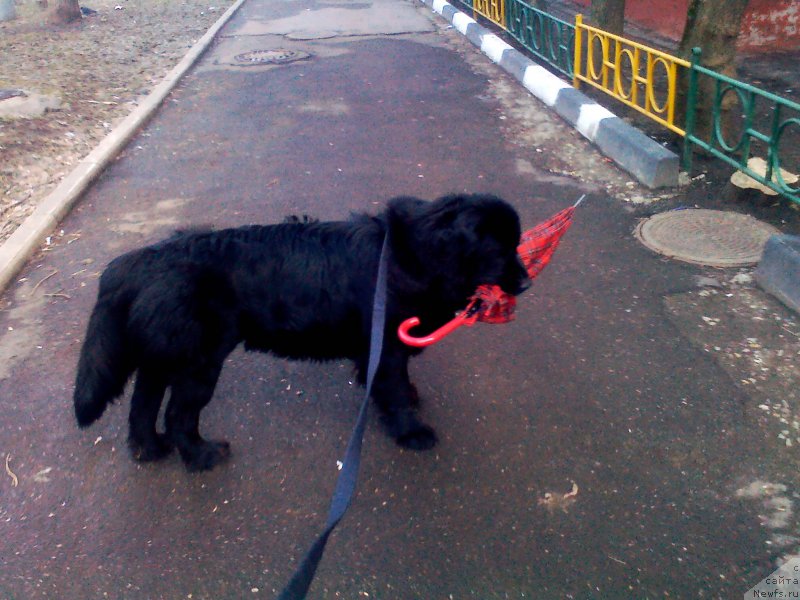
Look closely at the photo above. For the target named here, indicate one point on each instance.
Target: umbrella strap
(297, 588)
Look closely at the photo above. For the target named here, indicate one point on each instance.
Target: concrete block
(643, 157)
(778, 271)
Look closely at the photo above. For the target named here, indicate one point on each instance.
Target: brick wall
(767, 24)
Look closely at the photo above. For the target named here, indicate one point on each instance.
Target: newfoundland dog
(173, 311)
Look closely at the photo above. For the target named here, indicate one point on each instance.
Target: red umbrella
(490, 304)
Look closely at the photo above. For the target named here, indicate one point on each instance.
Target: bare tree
(609, 15)
(65, 11)
(713, 26)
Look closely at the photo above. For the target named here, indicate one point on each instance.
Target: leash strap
(297, 588)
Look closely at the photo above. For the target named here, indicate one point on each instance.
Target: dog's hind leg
(145, 443)
(191, 391)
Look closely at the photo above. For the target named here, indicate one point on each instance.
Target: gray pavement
(682, 490)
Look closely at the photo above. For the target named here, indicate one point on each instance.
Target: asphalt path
(587, 450)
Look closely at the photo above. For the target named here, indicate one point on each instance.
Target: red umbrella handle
(420, 342)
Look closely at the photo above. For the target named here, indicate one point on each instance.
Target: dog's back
(200, 293)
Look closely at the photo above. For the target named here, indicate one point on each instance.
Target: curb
(777, 272)
(648, 161)
(28, 237)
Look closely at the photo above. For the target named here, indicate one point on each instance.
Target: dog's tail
(104, 365)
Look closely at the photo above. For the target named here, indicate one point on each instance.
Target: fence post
(691, 102)
(576, 70)
(773, 161)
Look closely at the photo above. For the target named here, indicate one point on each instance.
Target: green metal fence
(545, 36)
(751, 139)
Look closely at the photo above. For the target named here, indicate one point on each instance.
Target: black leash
(297, 588)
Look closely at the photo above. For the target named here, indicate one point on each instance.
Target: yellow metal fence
(494, 10)
(644, 78)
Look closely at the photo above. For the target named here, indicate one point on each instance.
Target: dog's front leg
(396, 396)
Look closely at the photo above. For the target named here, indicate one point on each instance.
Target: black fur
(173, 311)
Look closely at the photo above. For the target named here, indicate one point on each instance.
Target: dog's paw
(152, 450)
(421, 437)
(408, 431)
(205, 455)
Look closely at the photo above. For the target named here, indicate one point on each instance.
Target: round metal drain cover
(706, 237)
(269, 57)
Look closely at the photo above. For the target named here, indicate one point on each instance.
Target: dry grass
(99, 68)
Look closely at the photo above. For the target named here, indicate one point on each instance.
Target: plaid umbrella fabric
(537, 245)
(490, 304)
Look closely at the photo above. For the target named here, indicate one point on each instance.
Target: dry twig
(43, 280)
(14, 478)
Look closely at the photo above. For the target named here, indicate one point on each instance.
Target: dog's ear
(453, 225)
(422, 230)
(405, 208)
(404, 216)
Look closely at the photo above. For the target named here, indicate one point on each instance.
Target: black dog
(174, 310)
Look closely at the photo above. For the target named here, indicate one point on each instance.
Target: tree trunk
(65, 11)
(713, 26)
(609, 15)
(8, 11)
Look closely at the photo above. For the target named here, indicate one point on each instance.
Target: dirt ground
(95, 70)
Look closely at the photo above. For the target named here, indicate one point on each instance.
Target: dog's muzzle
(517, 281)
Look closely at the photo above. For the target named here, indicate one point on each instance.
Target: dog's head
(457, 243)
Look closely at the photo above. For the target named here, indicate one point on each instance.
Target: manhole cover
(706, 237)
(269, 57)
